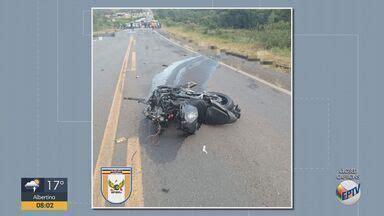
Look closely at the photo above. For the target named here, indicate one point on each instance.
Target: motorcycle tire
(226, 101)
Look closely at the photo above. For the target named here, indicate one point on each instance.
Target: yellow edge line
(104, 158)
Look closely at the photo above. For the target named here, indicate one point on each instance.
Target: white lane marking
(205, 151)
(232, 68)
(177, 44)
(258, 79)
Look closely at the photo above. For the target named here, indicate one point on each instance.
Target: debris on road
(133, 155)
(120, 140)
(165, 190)
(205, 151)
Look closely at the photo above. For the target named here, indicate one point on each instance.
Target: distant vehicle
(120, 14)
(129, 26)
(154, 24)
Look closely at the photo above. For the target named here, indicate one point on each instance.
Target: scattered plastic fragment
(120, 140)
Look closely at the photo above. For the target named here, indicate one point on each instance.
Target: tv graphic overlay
(116, 183)
(189, 105)
(348, 192)
(44, 194)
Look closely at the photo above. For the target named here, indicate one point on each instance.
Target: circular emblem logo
(348, 192)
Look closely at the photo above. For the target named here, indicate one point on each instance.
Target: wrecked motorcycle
(188, 108)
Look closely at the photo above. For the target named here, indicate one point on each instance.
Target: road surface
(245, 164)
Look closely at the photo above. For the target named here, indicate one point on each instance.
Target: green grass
(102, 24)
(268, 44)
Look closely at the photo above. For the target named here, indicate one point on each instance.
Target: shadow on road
(160, 148)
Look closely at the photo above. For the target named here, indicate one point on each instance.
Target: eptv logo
(348, 192)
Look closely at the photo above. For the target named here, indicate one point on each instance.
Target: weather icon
(32, 185)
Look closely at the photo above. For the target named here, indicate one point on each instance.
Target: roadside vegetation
(106, 21)
(258, 33)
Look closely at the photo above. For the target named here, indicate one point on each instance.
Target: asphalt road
(247, 164)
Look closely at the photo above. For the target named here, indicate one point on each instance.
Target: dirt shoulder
(246, 50)
(263, 69)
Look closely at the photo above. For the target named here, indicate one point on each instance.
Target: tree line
(226, 18)
(269, 27)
